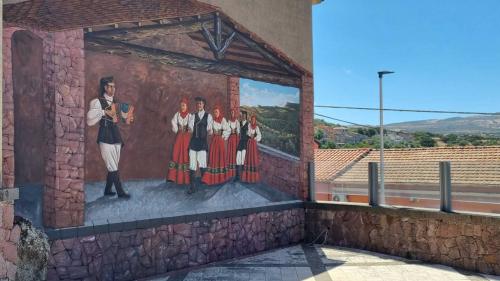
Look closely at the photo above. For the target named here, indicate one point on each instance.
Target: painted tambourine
(126, 112)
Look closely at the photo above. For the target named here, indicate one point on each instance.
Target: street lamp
(382, 188)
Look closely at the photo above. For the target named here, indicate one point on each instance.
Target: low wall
(9, 237)
(280, 170)
(467, 241)
(127, 251)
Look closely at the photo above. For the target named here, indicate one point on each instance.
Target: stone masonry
(471, 242)
(138, 253)
(306, 133)
(9, 237)
(63, 87)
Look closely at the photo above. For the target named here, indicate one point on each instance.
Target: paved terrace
(322, 263)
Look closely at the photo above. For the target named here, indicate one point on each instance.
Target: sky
(446, 55)
(254, 93)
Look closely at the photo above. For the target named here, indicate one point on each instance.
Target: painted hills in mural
(279, 126)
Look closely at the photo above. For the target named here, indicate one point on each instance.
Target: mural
(277, 110)
(136, 120)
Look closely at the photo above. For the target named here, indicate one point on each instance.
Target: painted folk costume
(251, 168)
(104, 110)
(178, 168)
(216, 172)
(232, 146)
(242, 145)
(200, 124)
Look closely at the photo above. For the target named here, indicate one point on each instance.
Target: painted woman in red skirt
(178, 168)
(251, 168)
(232, 144)
(216, 172)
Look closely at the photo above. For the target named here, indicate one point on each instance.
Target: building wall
(9, 237)
(471, 242)
(285, 24)
(155, 91)
(63, 119)
(129, 255)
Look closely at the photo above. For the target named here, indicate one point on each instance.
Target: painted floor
(156, 198)
(323, 263)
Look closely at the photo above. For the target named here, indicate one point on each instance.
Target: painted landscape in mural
(277, 111)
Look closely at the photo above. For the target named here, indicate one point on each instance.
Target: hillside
(477, 124)
(279, 126)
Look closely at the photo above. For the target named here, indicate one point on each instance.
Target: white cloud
(252, 96)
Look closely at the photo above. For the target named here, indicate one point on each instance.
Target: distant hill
(473, 125)
(279, 126)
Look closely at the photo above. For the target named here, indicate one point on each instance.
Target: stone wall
(63, 96)
(471, 242)
(64, 70)
(9, 237)
(280, 171)
(306, 133)
(128, 255)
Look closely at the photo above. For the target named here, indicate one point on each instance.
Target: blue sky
(446, 55)
(253, 93)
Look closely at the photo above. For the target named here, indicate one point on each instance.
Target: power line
(410, 110)
(356, 124)
(340, 120)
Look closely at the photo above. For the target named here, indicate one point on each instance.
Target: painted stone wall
(140, 253)
(280, 172)
(9, 237)
(63, 82)
(155, 91)
(470, 242)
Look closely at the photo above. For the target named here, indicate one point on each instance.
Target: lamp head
(384, 72)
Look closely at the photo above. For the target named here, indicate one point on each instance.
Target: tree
(319, 134)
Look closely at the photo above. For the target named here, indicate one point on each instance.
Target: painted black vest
(243, 136)
(199, 137)
(108, 130)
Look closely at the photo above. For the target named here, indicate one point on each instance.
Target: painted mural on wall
(277, 110)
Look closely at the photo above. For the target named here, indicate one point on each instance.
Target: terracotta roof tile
(331, 162)
(469, 165)
(56, 15)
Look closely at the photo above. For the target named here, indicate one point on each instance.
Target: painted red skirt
(178, 168)
(251, 168)
(216, 172)
(232, 147)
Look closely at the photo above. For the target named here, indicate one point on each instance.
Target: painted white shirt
(234, 125)
(95, 110)
(178, 121)
(224, 126)
(251, 132)
(200, 115)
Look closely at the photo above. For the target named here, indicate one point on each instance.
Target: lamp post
(382, 187)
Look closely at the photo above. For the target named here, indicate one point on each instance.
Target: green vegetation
(393, 139)
(279, 126)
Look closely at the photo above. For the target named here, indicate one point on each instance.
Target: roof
(330, 163)
(130, 16)
(469, 165)
(56, 15)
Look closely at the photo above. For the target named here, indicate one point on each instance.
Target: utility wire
(340, 120)
(360, 125)
(409, 110)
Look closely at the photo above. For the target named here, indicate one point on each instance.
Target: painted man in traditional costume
(200, 125)
(250, 172)
(232, 144)
(242, 145)
(178, 168)
(217, 162)
(104, 110)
